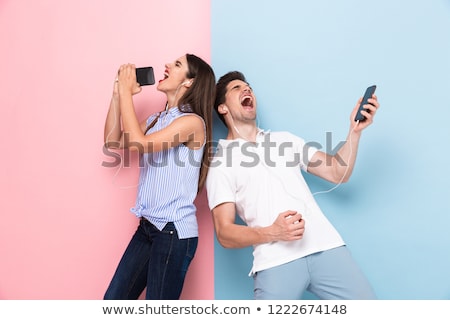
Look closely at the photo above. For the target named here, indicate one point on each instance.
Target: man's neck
(243, 131)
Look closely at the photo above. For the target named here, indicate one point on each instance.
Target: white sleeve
(220, 186)
(305, 151)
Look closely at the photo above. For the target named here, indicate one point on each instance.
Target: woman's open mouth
(165, 76)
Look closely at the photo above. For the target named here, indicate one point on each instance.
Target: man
(257, 174)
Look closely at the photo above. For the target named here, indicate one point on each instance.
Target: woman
(175, 163)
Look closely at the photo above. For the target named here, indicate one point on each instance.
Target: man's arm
(288, 226)
(338, 168)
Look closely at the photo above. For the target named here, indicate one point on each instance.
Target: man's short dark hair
(221, 89)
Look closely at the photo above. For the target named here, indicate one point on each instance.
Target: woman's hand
(126, 80)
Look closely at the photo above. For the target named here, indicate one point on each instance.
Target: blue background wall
(309, 62)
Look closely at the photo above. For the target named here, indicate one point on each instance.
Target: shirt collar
(172, 112)
(259, 137)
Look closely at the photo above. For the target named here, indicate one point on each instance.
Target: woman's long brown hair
(199, 99)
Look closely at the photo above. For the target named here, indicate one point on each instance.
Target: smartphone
(367, 95)
(145, 76)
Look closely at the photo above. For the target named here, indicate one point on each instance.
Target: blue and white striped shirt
(168, 182)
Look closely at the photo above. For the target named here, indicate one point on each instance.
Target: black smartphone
(367, 95)
(145, 76)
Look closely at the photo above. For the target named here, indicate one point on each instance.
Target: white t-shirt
(264, 179)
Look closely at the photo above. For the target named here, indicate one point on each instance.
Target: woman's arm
(188, 129)
(113, 128)
(113, 133)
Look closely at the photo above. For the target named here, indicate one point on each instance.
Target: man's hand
(288, 226)
(369, 112)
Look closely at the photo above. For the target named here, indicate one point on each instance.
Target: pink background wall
(64, 217)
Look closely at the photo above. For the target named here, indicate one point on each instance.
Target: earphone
(225, 110)
(187, 82)
(346, 169)
(121, 159)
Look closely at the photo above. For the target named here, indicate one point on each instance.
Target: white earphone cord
(121, 159)
(112, 129)
(347, 165)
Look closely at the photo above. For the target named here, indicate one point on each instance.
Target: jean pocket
(191, 247)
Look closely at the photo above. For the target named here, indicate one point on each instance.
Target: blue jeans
(330, 274)
(153, 258)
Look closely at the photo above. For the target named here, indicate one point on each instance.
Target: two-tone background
(64, 219)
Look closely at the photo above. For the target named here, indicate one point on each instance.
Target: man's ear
(223, 109)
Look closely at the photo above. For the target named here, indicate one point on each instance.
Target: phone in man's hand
(367, 95)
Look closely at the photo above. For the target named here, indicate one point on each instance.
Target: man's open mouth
(247, 102)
